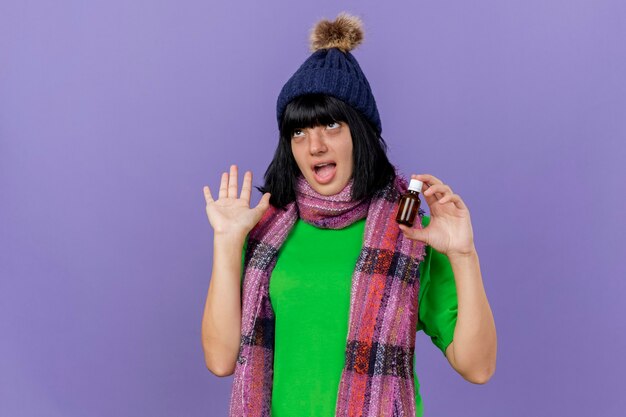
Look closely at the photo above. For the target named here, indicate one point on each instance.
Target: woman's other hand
(232, 215)
(450, 227)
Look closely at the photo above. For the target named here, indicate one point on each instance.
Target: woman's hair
(372, 170)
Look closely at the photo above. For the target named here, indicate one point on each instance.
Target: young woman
(333, 331)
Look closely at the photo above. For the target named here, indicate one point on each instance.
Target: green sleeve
(438, 303)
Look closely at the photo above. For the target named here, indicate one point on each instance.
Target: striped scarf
(377, 378)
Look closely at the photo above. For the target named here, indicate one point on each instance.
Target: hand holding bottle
(232, 215)
(450, 228)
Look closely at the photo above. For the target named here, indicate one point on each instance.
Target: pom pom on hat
(332, 69)
(344, 33)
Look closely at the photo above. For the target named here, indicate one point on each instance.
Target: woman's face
(329, 144)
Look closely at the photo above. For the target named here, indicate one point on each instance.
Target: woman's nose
(317, 143)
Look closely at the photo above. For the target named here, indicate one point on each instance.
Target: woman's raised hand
(230, 215)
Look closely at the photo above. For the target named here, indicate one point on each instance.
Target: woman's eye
(296, 133)
(333, 123)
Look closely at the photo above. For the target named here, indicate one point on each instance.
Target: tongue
(326, 170)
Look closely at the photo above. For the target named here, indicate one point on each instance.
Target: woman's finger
(439, 190)
(447, 198)
(458, 201)
(427, 179)
(413, 233)
(232, 182)
(264, 203)
(224, 186)
(207, 194)
(454, 198)
(246, 187)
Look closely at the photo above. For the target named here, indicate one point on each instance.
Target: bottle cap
(415, 185)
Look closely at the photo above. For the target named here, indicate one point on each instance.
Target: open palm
(230, 214)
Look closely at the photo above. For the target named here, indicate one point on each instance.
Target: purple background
(114, 114)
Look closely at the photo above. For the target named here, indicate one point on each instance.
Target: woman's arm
(232, 218)
(221, 322)
(472, 352)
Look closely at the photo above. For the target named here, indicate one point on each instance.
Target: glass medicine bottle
(409, 203)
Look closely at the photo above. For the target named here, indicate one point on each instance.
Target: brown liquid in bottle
(409, 203)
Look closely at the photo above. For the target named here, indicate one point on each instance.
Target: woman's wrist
(229, 238)
(461, 256)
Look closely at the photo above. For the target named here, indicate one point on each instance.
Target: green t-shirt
(310, 294)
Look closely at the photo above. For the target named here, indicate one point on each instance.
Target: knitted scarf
(377, 378)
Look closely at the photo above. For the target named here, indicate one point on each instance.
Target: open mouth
(325, 172)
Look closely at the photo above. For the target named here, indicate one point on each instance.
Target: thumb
(414, 233)
(264, 203)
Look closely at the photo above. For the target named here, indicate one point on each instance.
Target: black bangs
(311, 110)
